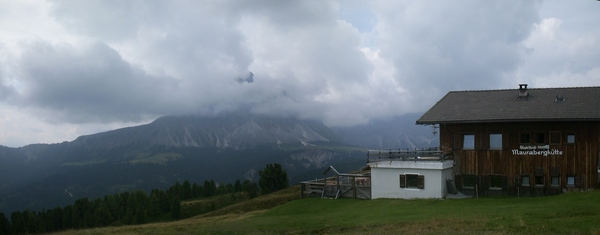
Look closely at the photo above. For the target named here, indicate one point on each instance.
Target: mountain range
(195, 148)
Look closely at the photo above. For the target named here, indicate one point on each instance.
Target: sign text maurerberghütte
(535, 150)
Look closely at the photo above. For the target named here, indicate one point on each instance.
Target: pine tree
(67, 217)
(175, 208)
(4, 224)
(272, 178)
(102, 215)
(209, 188)
(154, 208)
(140, 215)
(18, 223)
(196, 190)
(237, 186)
(186, 189)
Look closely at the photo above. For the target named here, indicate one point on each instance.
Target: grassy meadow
(284, 213)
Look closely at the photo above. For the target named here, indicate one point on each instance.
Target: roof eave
(506, 120)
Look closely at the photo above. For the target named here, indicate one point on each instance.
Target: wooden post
(354, 186)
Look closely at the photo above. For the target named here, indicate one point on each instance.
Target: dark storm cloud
(93, 84)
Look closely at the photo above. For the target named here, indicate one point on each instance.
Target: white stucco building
(395, 174)
(405, 175)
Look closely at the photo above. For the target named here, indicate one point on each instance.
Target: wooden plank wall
(579, 159)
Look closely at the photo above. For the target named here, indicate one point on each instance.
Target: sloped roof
(579, 104)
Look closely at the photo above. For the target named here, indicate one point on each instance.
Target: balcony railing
(423, 154)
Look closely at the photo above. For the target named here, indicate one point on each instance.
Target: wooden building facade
(522, 141)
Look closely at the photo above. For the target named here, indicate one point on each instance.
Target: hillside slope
(195, 148)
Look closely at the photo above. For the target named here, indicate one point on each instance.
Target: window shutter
(402, 181)
(555, 171)
(421, 181)
(539, 171)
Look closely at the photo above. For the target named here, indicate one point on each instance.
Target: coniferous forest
(137, 207)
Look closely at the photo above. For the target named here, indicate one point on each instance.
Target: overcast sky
(71, 68)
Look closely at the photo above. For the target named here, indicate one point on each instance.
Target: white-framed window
(555, 181)
(412, 181)
(469, 142)
(570, 180)
(495, 141)
(525, 180)
(570, 139)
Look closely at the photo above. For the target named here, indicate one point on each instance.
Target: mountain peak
(231, 131)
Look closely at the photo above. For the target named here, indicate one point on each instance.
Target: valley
(173, 149)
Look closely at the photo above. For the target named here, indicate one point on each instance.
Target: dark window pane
(525, 138)
(540, 138)
(412, 181)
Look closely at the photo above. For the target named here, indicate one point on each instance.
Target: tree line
(137, 207)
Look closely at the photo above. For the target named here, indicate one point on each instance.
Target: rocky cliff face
(237, 132)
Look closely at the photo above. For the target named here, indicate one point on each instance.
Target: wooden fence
(357, 186)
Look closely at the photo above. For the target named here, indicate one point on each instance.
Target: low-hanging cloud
(249, 78)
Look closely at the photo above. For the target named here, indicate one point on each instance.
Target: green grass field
(283, 213)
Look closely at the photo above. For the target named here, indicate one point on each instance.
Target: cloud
(441, 46)
(249, 78)
(104, 63)
(564, 51)
(91, 84)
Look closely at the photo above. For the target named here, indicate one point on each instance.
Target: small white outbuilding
(399, 175)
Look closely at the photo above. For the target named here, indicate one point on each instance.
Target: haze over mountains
(195, 148)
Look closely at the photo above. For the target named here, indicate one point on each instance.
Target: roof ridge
(543, 104)
(539, 88)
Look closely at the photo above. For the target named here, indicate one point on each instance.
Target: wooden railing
(343, 185)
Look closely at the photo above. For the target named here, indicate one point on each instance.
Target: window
(554, 176)
(412, 181)
(555, 137)
(539, 176)
(468, 181)
(570, 139)
(540, 138)
(495, 141)
(539, 180)
(555, 181)
(570, 180)
(469, 142)
(525, 180)
(525, 138)
(495, 182)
